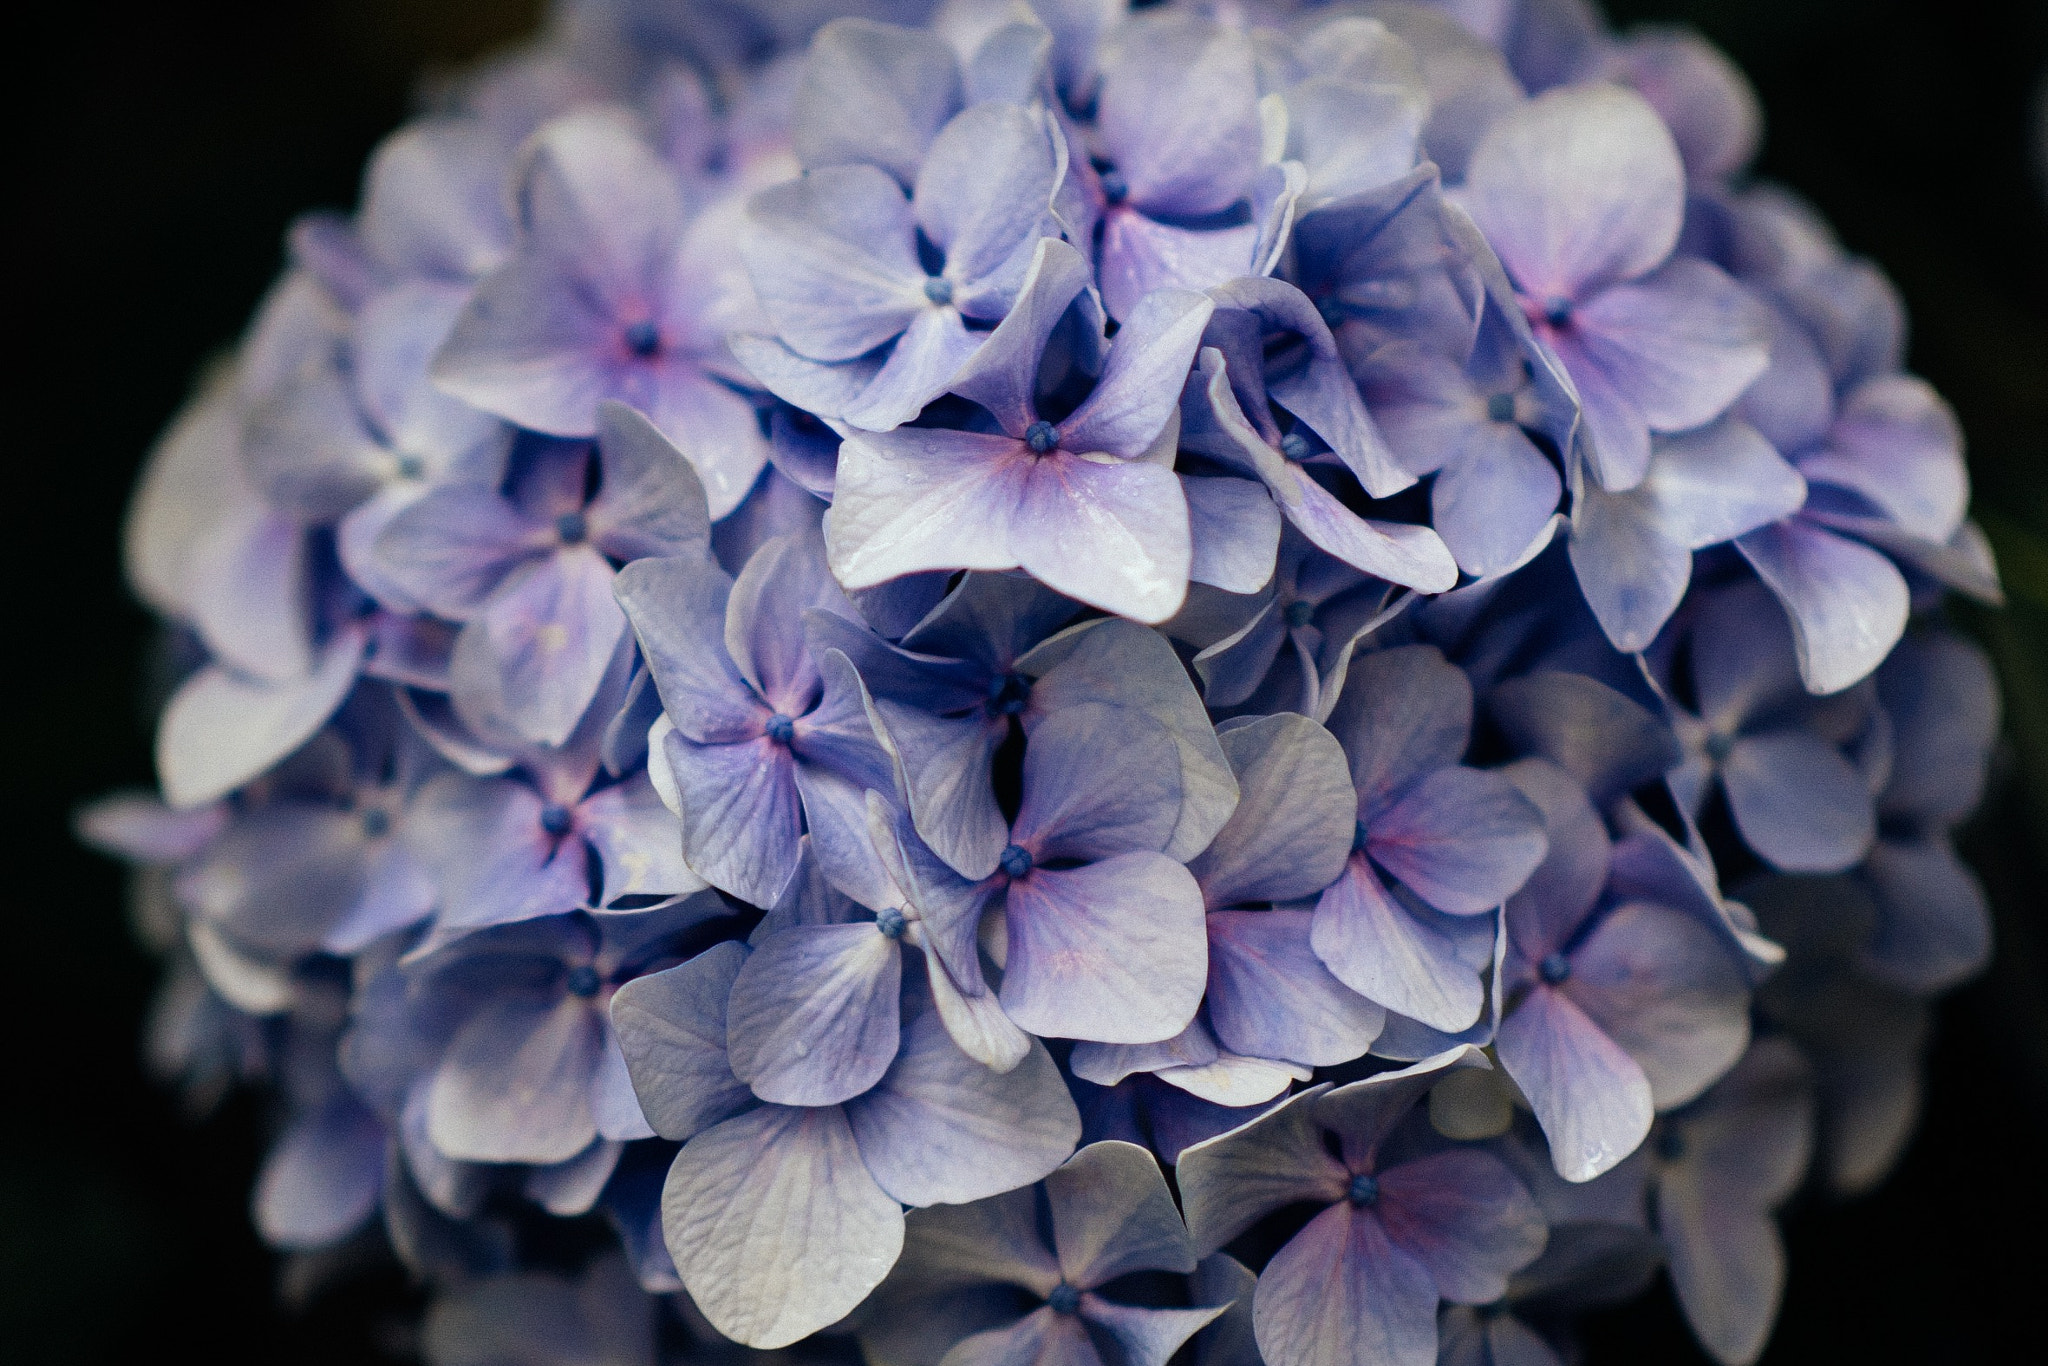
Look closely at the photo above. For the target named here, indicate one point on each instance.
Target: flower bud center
(554, 818)
(643, 339)
(938, 289)
(1364, 1192)
(1300, 614)
(1294, 446)
(376, 823)
(1501, 408)
(583, 981)
(1016, 860)
(781, 729)
(890, 922)
(572, 528)
(1554, 968)
(1064, 1299)
(1041, 436)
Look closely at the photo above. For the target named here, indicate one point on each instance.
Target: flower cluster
(1043, 683)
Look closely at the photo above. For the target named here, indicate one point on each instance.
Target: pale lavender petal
(775, 1225)
(514, 1085)
(451, 549)
(1681, 344)
(1578, 188)
(1113, 535)
(813, 1016)
(1377, 948)
(1847, 602)
(915, 499)
(985, 194)
(1099, 780)
(1613, 434)
(1178, 115)
(785, 577)
(1271, 997)
(534, 347)
(873, 92)
(1896, 443)
(1547, 911)
(1044, 1337)
(1403, 713)
(1413, 556)
(671, 1029)
(1146, 1337)
(921, 366)
(941, 1128)
(569, 1189)
(1606, 741)
(677, 608)
(638, 841)
(222, 728)
(535, 656)
(1665, 987)
(1797, 801)
(1340, 1293)
(717, 429)
(833, 259)
(1003, 375)
(322, 1178)
(1466, 1218)
(1235, 530)
(1490, 505)
(1112, 1214)
(1590, 1096)
(651, 501)
(1461, 839)
(1142, 255)
(741, 818)
(1230, 1182)
(1112, 951)
(1291, 830)
(1140, 385)
(1631, 568)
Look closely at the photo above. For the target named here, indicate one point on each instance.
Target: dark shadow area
(162, 149)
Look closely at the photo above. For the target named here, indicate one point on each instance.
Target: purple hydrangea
(1250, 683)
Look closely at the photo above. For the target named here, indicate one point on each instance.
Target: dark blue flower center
(1501, 408)
(583, 981)
(1114, 186)
(1294, 446)
(1554, 968)
(572, 528)
(938, 289)
(1360, 837)
(643, 339)
(1008, 694)
(410, 466)
(781, 729)
(890, 922)
(555, 818)
(1719, 746)
(1016, 860)
(1557, 310)
(376, 823)
(1042, 436)
(1364, 1192)
(1670, 1144)
(1299, 614)
(1064, 1299)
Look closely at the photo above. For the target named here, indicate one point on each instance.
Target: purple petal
(1230, 1182)
(1271, 997)
(1797, 801)
(671, 1028)
(1943, 700)
(1613, 434)
(775, 1225)
(944, 766)
(1490, 505)
(741, 818)
(1112, 1214)
(1606, 741)
(1934, 929)
(638, 842)
(1466, 1218)
(717, 430)
(514, 1085)
(1578, 188)
(873, 92)
(813, 1017)
(920, 367)
(451, 549)
(1291, 830)
(1590, 1096)
(1461, 839)
(1548, 910)
(940, 1128)
(537, 654)
(1896, 443)
(1664, 987)
(533, 347)
(1340, 1293)
(1631, 568)
(833, 258)
(1847, 602)
(1112, 951)
(1003, 375)
(915, 499)
(1044, 1337)
(1099, 780)
(569, 1189)
(985, 194)
(678, 610)
(1413, 556)
(1146, 1337)
(651, 501)
(1235, 530)
(1140, 385)
(223, 728)
(322, 1178)
(1113, 535)
(1388, 955)
(1403, 713)
(992, 1241)
(1178, 115)
(1141, 256)
(764, 634)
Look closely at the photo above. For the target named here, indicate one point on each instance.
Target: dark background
(159, 152)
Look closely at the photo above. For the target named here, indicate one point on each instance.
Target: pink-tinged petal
(916, 499)
(1591, 1098)
(1797, 802)
(1413, 556)
(1466, 1218)
(1099, 780)
(483, 841)
(222, 729)
(1271, 997)
(671, 1029)
(813, 1016)
(1681, 345)
(1044, 1337)
(1291, 830)
(638, 841)
(1578, 188)
(1178, 114)
(514, 1085)
(940, 1128)
(873, 92)
(833, 259)
(1403, 713)
(1112, 951)
(1341, 1293)
(1613, 434)
(1113, 535)
(1112, 1214)
(1666, 987)
(776, 1227)
(921, 366)
(741, 818)
(1232, 1180)
(1378, 949)
(1461, 839)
